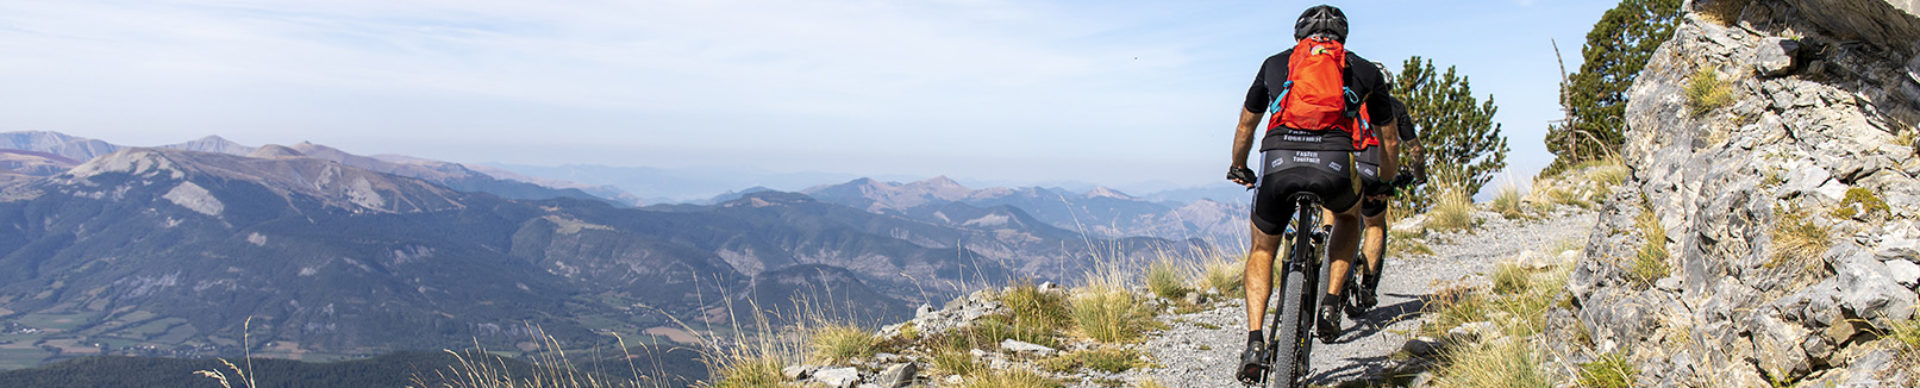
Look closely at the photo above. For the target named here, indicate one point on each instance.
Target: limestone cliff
(1767, 234)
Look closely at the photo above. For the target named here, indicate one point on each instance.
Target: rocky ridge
(1766, 235)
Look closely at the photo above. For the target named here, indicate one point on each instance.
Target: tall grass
(1523, 297)
(1506, 362)
(478, 368)
(245, 376)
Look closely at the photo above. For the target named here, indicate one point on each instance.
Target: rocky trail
(1197, 349)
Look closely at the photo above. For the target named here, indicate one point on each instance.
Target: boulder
(897, 375)
(1904, 272)
(1775, 57)
(1869, 291)
(1020, 347)
(837, 377)
(796, 372)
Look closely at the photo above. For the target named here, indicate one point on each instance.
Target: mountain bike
(1290, 330)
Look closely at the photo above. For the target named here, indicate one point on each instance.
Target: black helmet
(1321, 19)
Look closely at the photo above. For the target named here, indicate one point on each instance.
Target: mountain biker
(1374, 208)
(1291, 163)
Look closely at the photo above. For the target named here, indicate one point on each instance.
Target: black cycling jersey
(1405, 127)
(1373, 89)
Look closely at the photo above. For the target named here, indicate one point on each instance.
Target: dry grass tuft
(1011, 379)
(1110, 314)
(1223, 275)
(1101, 359)
(1509, 203)
(837, 343)
(1164, 280)
(1706, 92)
(1452, 208)
(1610, 371)
(1510, 278)
(749, 371)
(1797, 238)
(1650, 262)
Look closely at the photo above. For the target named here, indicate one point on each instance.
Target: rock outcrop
(1767, 233)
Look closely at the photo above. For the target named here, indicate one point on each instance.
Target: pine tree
(1595, 98)
(1462, 141)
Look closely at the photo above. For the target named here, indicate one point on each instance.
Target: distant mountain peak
(275, 151)
(1105, 192)
(147, 162)
(213, 143)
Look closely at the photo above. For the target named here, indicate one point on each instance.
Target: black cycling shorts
(1368, 164)
(1328, 174)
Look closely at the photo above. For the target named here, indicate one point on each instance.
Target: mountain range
(1100, 212)
(315, 253)
(39, 153)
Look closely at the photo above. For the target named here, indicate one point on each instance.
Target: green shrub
(1860, 202)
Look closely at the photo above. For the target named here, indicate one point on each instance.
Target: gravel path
(1201, 349)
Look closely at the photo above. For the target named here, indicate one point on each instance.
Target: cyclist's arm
(1390, 156)
(1243, 138)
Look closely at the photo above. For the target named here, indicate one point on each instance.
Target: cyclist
(1302, 161)
(1374, 207)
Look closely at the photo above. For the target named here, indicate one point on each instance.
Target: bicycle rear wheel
(1290, 332)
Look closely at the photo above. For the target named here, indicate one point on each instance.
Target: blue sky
(1140, 95)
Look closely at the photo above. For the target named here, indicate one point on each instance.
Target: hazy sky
(1131, 93)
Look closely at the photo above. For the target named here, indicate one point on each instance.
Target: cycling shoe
(1329, 322)
(1254, 362)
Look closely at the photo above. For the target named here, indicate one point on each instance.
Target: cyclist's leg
(1268, 219)
(1340, 249)
(1258, 279)
(1376, 241)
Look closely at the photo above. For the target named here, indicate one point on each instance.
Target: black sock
(1255, 337)
(1330, 299)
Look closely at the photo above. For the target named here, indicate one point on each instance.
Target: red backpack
(1315, 96)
